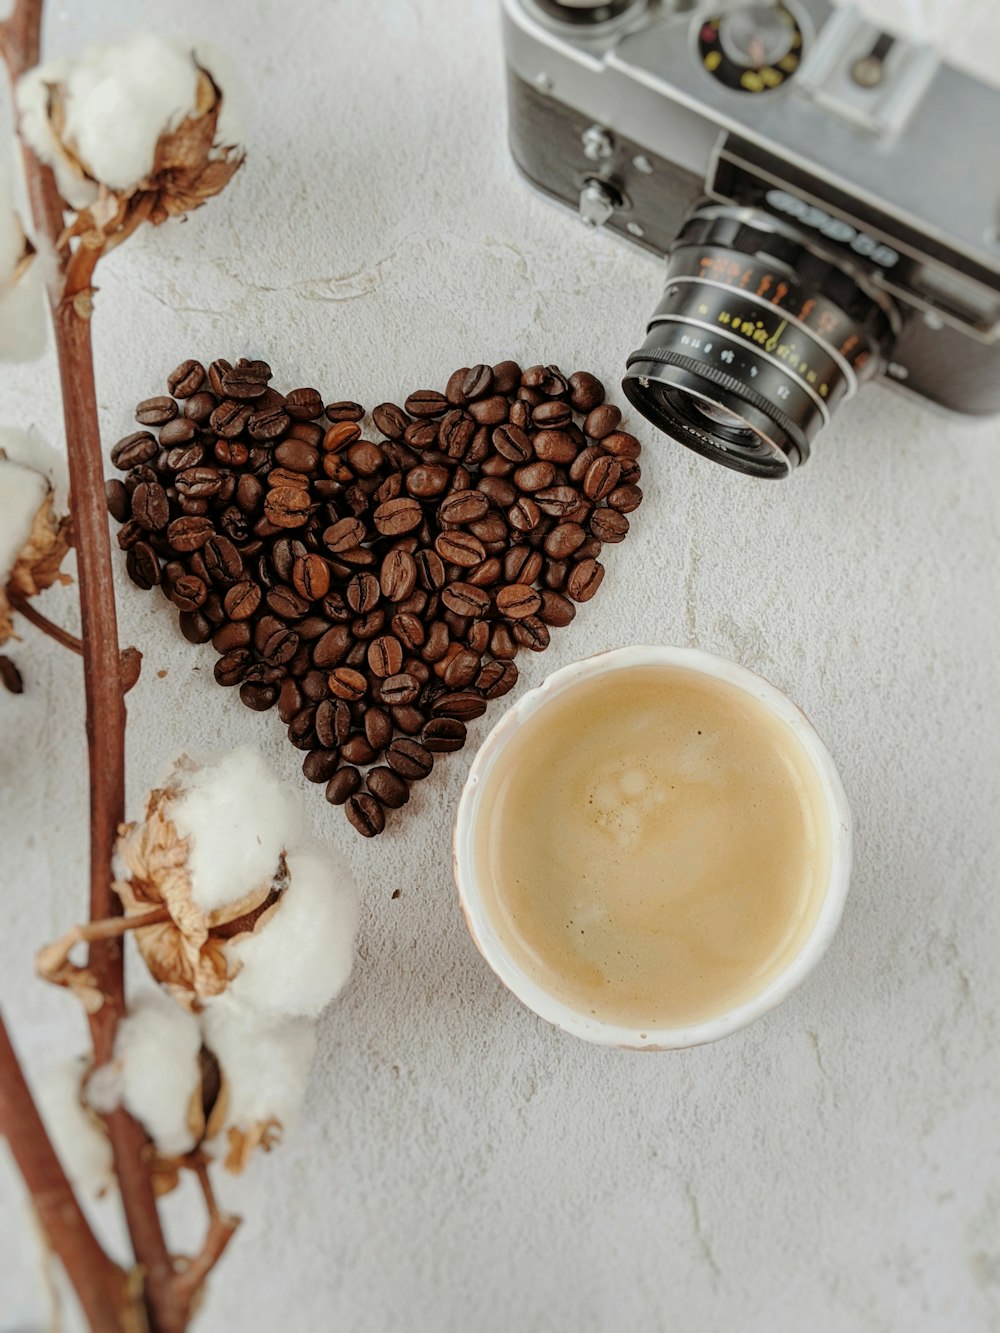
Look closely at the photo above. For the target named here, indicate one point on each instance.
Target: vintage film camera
(827, 196)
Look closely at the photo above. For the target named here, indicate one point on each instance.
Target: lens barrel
(584, 11)
(756, 341)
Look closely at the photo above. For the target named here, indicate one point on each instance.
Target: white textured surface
(459, 1165)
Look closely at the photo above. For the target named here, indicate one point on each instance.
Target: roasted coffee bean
(185, 456)
(199, 483)
(506, 377)
(426, 480)
(398, 575)
(289, 700)
(534, 477)
(556, 609)
(177, 432)
(455, 435)
(391, 789)
(270, 423)
(242, 600)
(378, 728)
(129, 533)
(232, 666)
(602, 477)
(608, 525)
(365, 813)
(200, 406)
(194, 626)
(496, 679)
(284, 553)
(466, 705)
(302, 727)
(532, 632)
(462, 669)
(116, 498)
(344, 535)
(409, 630)
(230, 418)
(552, 414)
(341, 435)
(346, 683)
(558, 501)
(186, 379)
(396, 517)
(311, 577)
(365, 460)
(297, 456)
(460, 549)
(356, 750)
(580, 465)
(421, 435)
(287, 506)
(443, 735)
(407, 719)
(155, 411)
(465, 599)
(304, 404)
(409, 758)
(385, 655)
(279, 647)
(522, 565)
(243, 383)
(391, 420)
(489, 411)
(563, 540)
(363, 593)
(150, 506)
(188, 593)
(399, 690)
(320, 765)
(222, 560)
(235, 634)
(142, 566)
(524, 514)
(134, 450)
(590, 550)
(584, 579)
(601, 421)
(555, 446)
(189, 533)
(344, 411)
(625, 499)
(621, 444)
(462, 507)
(512, 443)
(344, 783)
(425, 403)
(517, 600)
(258, 696)
(586, 391)
(502, 642)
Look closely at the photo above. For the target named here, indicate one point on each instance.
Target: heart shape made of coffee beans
(377, 591)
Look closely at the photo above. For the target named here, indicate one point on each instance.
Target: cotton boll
(31, 98)
(299, 955)
(239, 818)
(119, 100)
(22, 492)
(31, 449)
(22, 316)
(156, 1050)
(80, 1143)
(265, 1067)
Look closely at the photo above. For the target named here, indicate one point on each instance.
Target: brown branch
(47, 626)
(191, 1273)
(100, 1284)
(105, 708)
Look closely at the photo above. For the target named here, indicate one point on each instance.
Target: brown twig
(47, 626)
(20, 45)
(100, 1284)
(191, 1273)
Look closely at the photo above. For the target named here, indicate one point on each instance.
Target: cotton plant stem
(100, 1284)
(47, 626)
(105, 713)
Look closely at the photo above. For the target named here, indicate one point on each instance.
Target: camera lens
(756, 341)
(584, 11)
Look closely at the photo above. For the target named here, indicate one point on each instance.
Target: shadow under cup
(710, 880)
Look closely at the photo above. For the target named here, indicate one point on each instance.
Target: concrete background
(459, 1165)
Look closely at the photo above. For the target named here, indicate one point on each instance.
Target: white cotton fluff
(81, 1147)
(240, 818)
(265, 1063)
(22, 491)
(29, 448)
(22, 303)
(119, 98)
(299, 957)
(156, 1051)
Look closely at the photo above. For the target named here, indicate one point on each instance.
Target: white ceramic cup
(471, 811)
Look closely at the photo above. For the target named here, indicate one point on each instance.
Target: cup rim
(587, 1026)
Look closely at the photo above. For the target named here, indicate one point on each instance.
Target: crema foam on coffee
(653, 846)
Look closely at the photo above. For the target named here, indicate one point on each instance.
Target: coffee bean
(555, 446)
(602, 477)
(188, 593)
(590, 550)
(311, 577)
(625, 499)
(584, 580)
(270, 423)
(517, 600)
(398, 575)
(534, 477)
(258, 696)
(320, 765)
(563, 540)
(608, 525)
(279, 646)
(465, 599)
(497, 679)
(363, 593)
(512, 443)
(344, 535)
(454, 434)
(332, 647)
(189, 533)
(409, 758)
(558, 501)
(304, 404)
(344, 411)
(621, 444)
(463, 507)
(242, 600)
(556, 609)
(195, 627)
(425, 403)
(586, 391)
(489, 411)
(396, 517)
(199, 483)
(234, 634)
(133, 450)
(287, 506)
(378, 728)
(155, 411)
(150, 506)
(465, 705)
(142, 566)
(463, 669)
(177, 432)
(601, 421)
(356, 750)
(460, 548)
(116, 498)
(289, 700)
(297, 456)
(346, 683)
(230, 418)
(200, 406)
(391, 789)
(552, 414)
(232, 666)
(426, 480)
(344, 783)
(487, 573)
(391, 420)
(524, 515)
(399, 690)
(385, 655)
(532, 632)
(186, 379)
(522, 565)
(185, 456)
(365, 460)
(222, 560)
(365, 813)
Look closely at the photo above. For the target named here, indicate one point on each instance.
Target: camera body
(827, 195)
